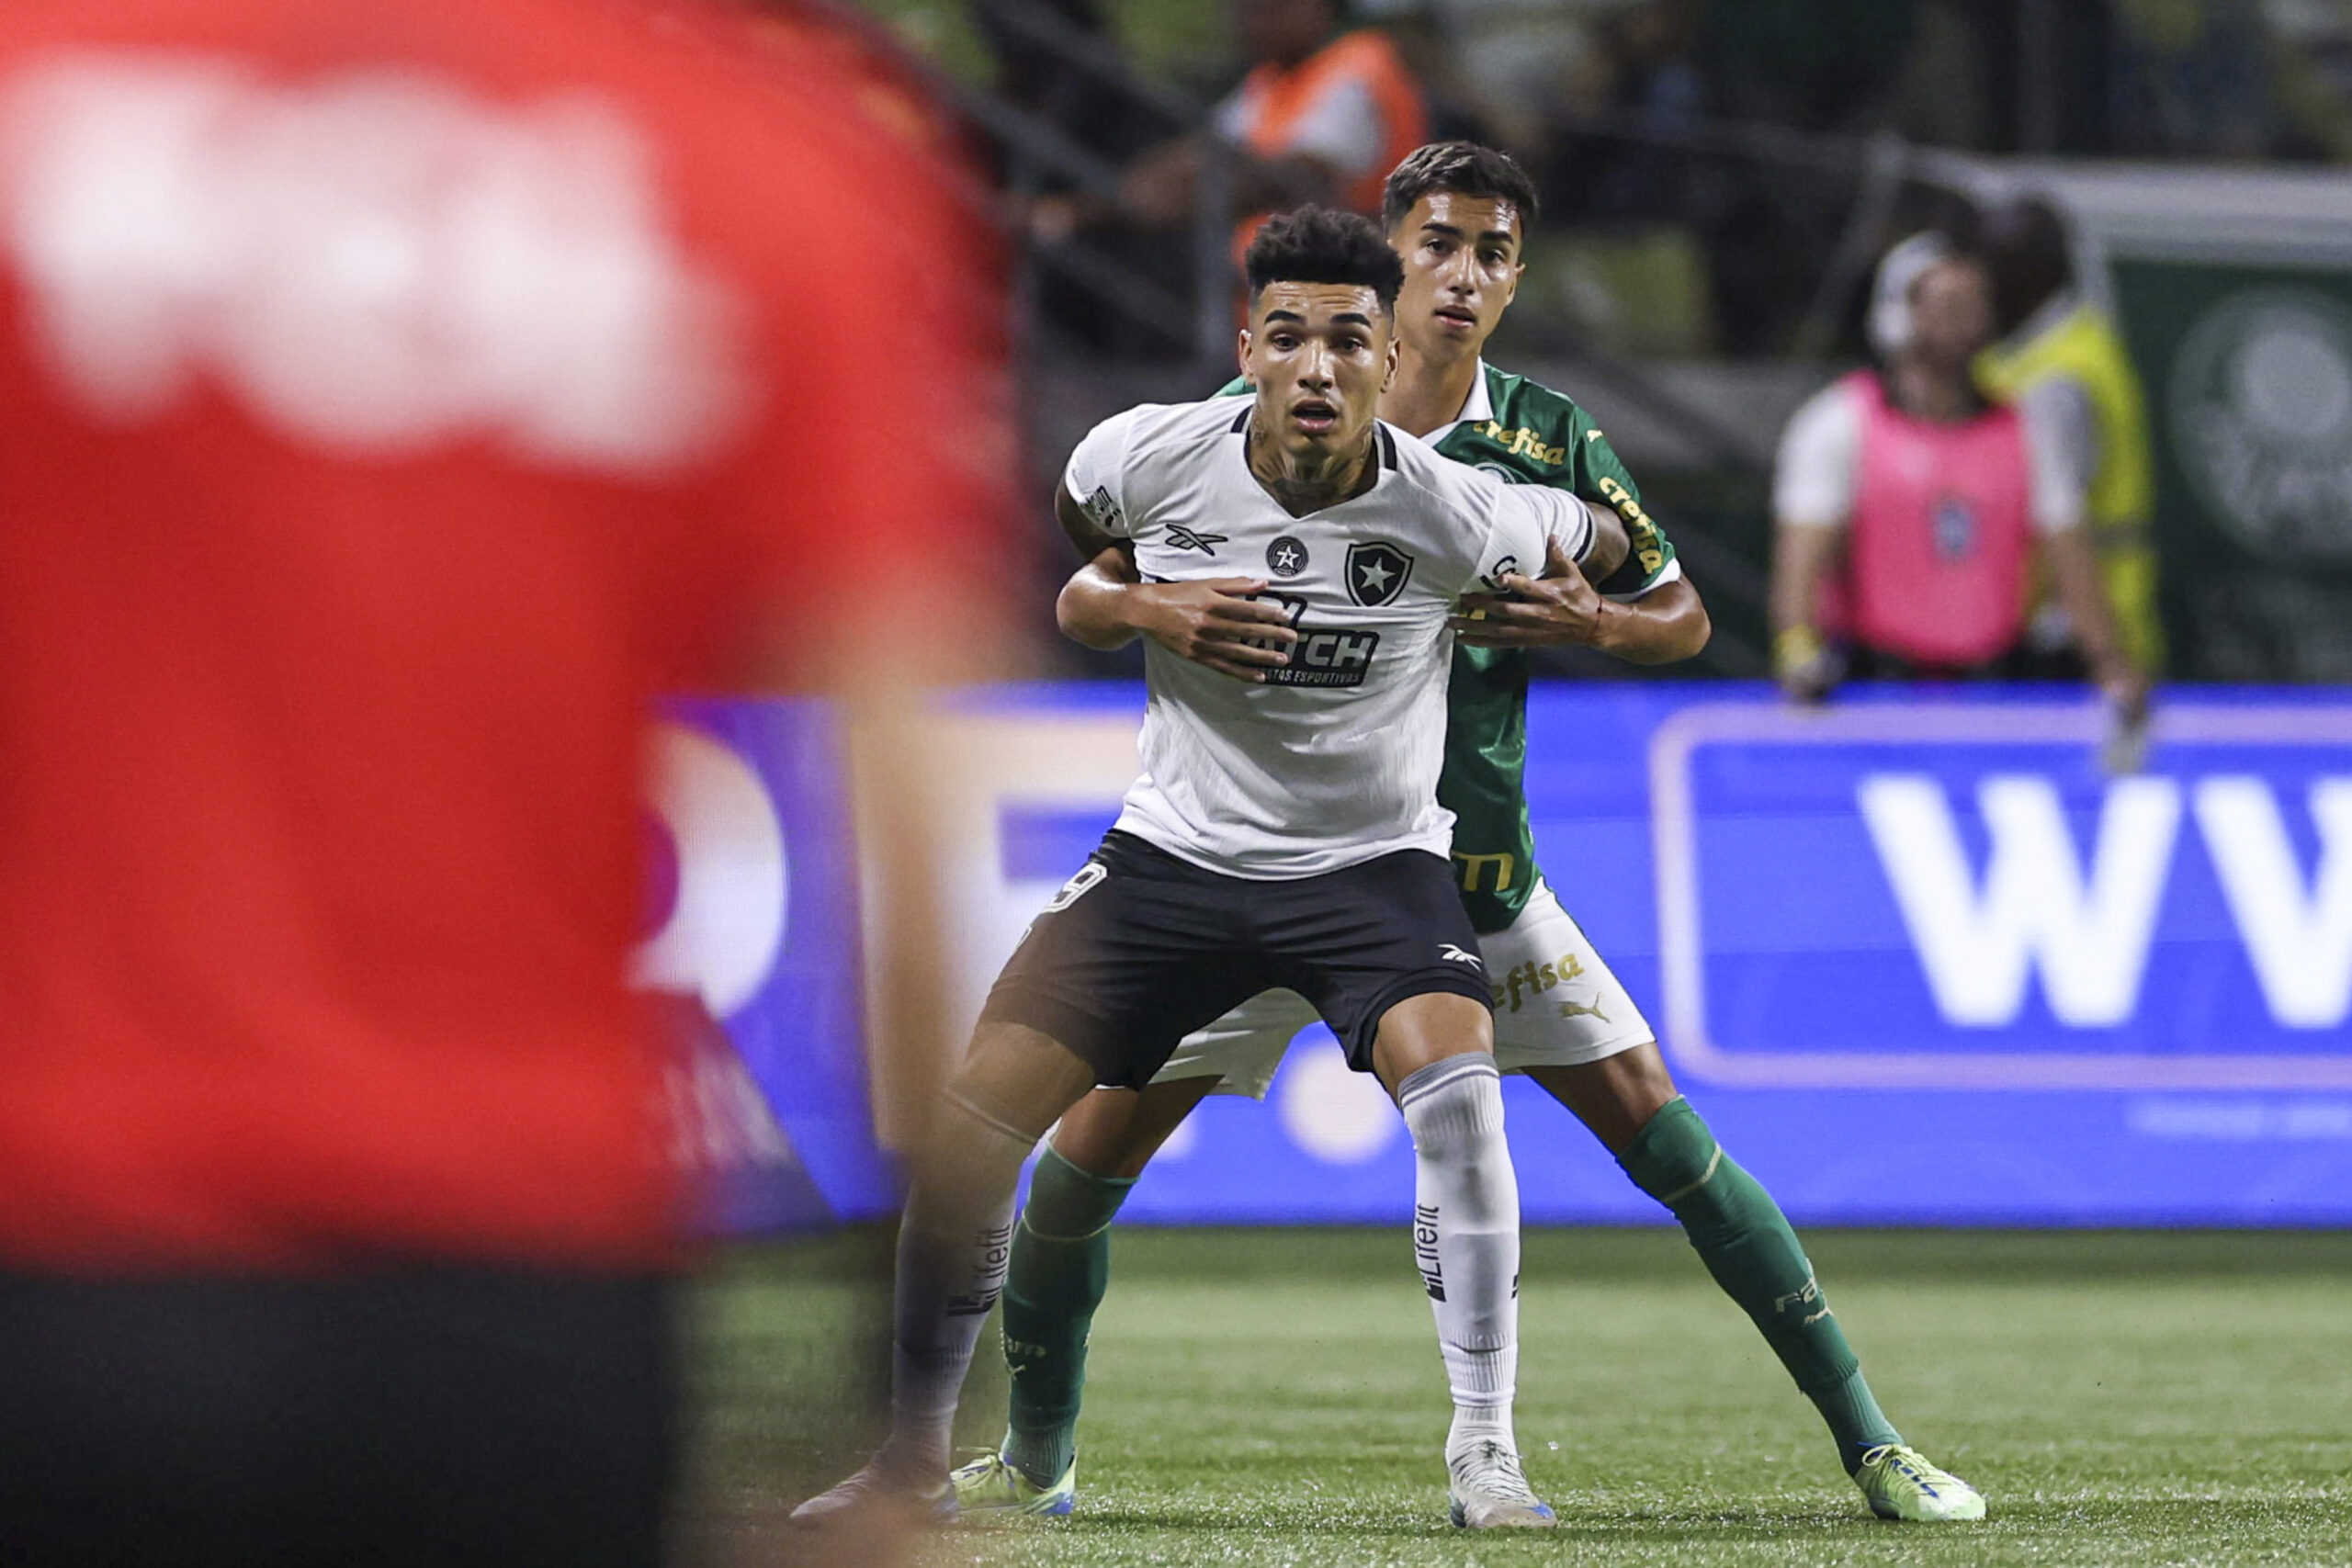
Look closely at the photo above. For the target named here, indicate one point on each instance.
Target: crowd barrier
(1917, 957)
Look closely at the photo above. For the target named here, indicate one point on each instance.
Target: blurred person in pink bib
(1911, 516)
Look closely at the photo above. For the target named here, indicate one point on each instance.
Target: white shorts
(1556, 1005)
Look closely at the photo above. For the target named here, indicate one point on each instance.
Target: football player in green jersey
(1457, 214)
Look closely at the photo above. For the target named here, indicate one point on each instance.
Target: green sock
(1747, 1246)
(1059, 1268)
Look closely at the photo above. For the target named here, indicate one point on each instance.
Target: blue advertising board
(754, 915)
(1917, 959)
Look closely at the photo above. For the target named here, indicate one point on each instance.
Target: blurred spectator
(1813, 64)
(1909, 511)
(1642, 76)
(1643, 63)
(2229, 79)
(1087, 107)
(402, 398)
(2061, 357)
(2190, 77)
(1322, 117)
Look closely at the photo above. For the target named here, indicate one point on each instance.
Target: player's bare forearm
(1092, 609)
(1219, 622)
(1563, 609)
(1667, 624)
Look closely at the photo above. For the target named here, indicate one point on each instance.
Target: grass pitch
(1276, 1397)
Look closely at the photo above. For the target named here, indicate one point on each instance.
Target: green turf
(1276, 1397)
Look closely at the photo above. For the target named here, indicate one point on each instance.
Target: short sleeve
(1096, 475)
(2061, 438)
(1813, 479)
(1605, 480)
(1526, 520)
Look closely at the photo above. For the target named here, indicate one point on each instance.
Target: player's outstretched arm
(1562, 609)
(1215, 622)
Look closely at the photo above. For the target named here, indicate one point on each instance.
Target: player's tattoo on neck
(1312, 482)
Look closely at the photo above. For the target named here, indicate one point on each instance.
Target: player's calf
(953, 1245)
(1465, 1241)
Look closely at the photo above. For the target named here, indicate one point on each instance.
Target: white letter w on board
(2036, 908)
(2301, 946)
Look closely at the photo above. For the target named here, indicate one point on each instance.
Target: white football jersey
(1334, 760)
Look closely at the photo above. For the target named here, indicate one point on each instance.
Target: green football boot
(988, 1490)
(1902, 1484)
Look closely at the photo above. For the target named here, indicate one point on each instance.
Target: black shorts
(1139, 949)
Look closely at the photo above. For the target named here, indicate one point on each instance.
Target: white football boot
(1490, 1492)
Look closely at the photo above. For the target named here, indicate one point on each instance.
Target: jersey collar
(1477, 409)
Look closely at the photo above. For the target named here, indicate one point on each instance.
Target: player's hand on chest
(1357, 601)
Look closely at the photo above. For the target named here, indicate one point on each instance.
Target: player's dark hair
(1458, 168)
(1316, 244)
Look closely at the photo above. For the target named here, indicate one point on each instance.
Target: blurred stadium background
(2112, 1006)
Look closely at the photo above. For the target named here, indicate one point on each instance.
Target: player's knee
(1068, 1202)
(1454, 1110)
(1636, 1086)
(1113, 1134)
(1674, 1156)
(1019, 1079)
(1453, 1107)
(1423, 1030)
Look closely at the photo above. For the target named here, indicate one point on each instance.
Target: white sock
(1465, 1237)
(954, 1242)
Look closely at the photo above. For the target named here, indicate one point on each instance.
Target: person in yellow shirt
(2062, 355)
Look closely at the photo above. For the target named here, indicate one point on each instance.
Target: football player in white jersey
(1457, 214)
(1285, 832)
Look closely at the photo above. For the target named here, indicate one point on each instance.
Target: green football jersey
(1524, 434)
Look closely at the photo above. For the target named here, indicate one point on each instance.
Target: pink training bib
(1941, 535)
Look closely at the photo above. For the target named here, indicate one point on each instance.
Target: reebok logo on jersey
(1454, 954)
(1378, 572)
(1184, 538)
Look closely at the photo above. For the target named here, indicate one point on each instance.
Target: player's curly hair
(1460, 168)
(1315, 245)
